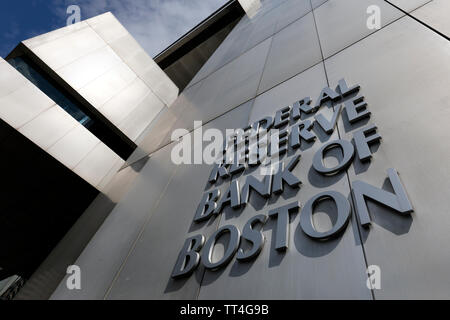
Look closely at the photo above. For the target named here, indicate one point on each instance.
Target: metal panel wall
(104, 63)
(403, 72)
(40, 119)
(406, 88)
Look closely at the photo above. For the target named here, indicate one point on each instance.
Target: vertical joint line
(141, 231)
(339, 135)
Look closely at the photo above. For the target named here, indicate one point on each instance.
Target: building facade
(362, 182)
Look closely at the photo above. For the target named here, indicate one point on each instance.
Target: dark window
(26, 68)
(101, 127)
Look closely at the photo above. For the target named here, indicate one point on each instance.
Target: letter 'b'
(189, 257)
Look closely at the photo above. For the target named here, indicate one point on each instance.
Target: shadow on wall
(52, 271)
(40, 201)
(381, 216)
(304, 245)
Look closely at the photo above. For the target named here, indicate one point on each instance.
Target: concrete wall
(270, 63)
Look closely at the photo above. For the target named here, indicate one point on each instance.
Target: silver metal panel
(48, 127)
(343, 22)
(410, 5)
(23, 104)
(157, 80)
(88, 68)
(144, 66)
(228, 49)
(109, 176)
(55, 34)
(107, 27)
(222, 91)
(309, 83)
(293, 49)
(37, 117)
(403, 72)
(10, 79)
(103, 257)
(158, 133)
(289, 11)
(118, 108)
(52, 271)
(317, 3)
(126, 47)
(74, 146)
(108, 85)
(270, 18)
(138, 119)
(101, 60)
(97, 164)
(230, 86)
(308, 269)
(66, 49)
(235, 44)
(146, 274)
(435, 14)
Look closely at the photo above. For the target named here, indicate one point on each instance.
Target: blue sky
(154, 23)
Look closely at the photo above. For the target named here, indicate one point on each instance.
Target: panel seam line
(339, 135)
(133, 246)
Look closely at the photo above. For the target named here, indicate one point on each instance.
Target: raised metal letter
(301, 130)
(253, 236)
(281, 117)
(231, 196)
(343, 210)
(190, 251)
(207, 206)
(233, 244)
(286, 176)
(282, 215)
(261, 187)
(303, 105)
(325, 95)
(347, 149)
(356, 109)
(344, 90)
(398, 200)
(328, 126)
(219, 170)
(362, 141)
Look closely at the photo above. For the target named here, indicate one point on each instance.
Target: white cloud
(154, 23)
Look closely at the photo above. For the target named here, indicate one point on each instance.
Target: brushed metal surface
(403, 72)
(147, 272)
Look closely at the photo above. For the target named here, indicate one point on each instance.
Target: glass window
(101, 127)
(29, 71)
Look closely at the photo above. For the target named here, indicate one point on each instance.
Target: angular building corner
(106, 137)
(113, 77)
(84, 95)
